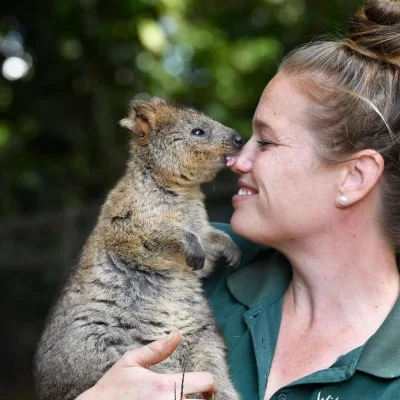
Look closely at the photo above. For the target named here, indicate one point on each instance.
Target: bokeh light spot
(12, 44)
(14, 68)
(145, 61)
(152, 36)
(71, 49)
(168, 24)
(4, 134)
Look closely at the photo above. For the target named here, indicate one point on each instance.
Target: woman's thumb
(153, 353)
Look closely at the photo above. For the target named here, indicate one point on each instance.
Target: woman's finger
(195, 382)
(153, 353)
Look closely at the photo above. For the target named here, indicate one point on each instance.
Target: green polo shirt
(248, 305)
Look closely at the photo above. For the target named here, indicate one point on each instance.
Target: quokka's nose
(237, 140)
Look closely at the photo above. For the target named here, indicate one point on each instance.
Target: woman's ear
(360, 175)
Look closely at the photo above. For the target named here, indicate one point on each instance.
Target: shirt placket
(264, 339)
(256, 321)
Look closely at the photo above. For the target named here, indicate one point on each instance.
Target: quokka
(139, 274)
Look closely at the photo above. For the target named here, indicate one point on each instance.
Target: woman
(320, 183)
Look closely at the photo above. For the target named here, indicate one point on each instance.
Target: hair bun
(375, 31)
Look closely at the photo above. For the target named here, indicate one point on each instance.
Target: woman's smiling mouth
(246, 192)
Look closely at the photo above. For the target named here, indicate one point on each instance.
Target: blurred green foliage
(60, 144)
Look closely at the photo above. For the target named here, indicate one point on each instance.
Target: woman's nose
(242, 162)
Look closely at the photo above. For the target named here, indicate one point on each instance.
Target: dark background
(68, 70)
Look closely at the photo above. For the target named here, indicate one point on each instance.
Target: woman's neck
(343, 283)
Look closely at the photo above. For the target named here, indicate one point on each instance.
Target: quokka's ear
(142, 117)
(158, 101)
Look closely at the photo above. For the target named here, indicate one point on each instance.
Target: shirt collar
(267, 277)
(381, 355)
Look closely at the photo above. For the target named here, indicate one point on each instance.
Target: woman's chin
(240, 222)
(249, 227)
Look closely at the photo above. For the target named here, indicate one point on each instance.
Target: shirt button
(282, 397)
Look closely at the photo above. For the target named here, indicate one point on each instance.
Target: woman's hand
(130, 379)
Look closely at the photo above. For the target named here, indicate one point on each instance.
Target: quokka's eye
(197, 132)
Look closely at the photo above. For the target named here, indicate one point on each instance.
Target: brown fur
(139, 274)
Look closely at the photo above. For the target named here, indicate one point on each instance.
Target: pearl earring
(343, 201)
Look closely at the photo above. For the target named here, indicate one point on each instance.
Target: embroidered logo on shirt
(326, 398)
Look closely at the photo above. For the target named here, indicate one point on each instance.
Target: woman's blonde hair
(354, 85)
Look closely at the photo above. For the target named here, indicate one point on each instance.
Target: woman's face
(286, 193)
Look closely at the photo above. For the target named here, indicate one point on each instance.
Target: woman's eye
(264, 143)
(197, 132)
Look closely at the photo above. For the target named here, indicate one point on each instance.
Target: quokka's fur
(139, 275)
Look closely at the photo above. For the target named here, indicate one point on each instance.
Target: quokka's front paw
(233, 255)
(194, 252)
(220, 244)
(195, 260)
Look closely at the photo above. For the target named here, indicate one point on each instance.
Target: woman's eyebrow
(261, 125)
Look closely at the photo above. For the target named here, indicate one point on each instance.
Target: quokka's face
(182, 145)
(193, 147)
